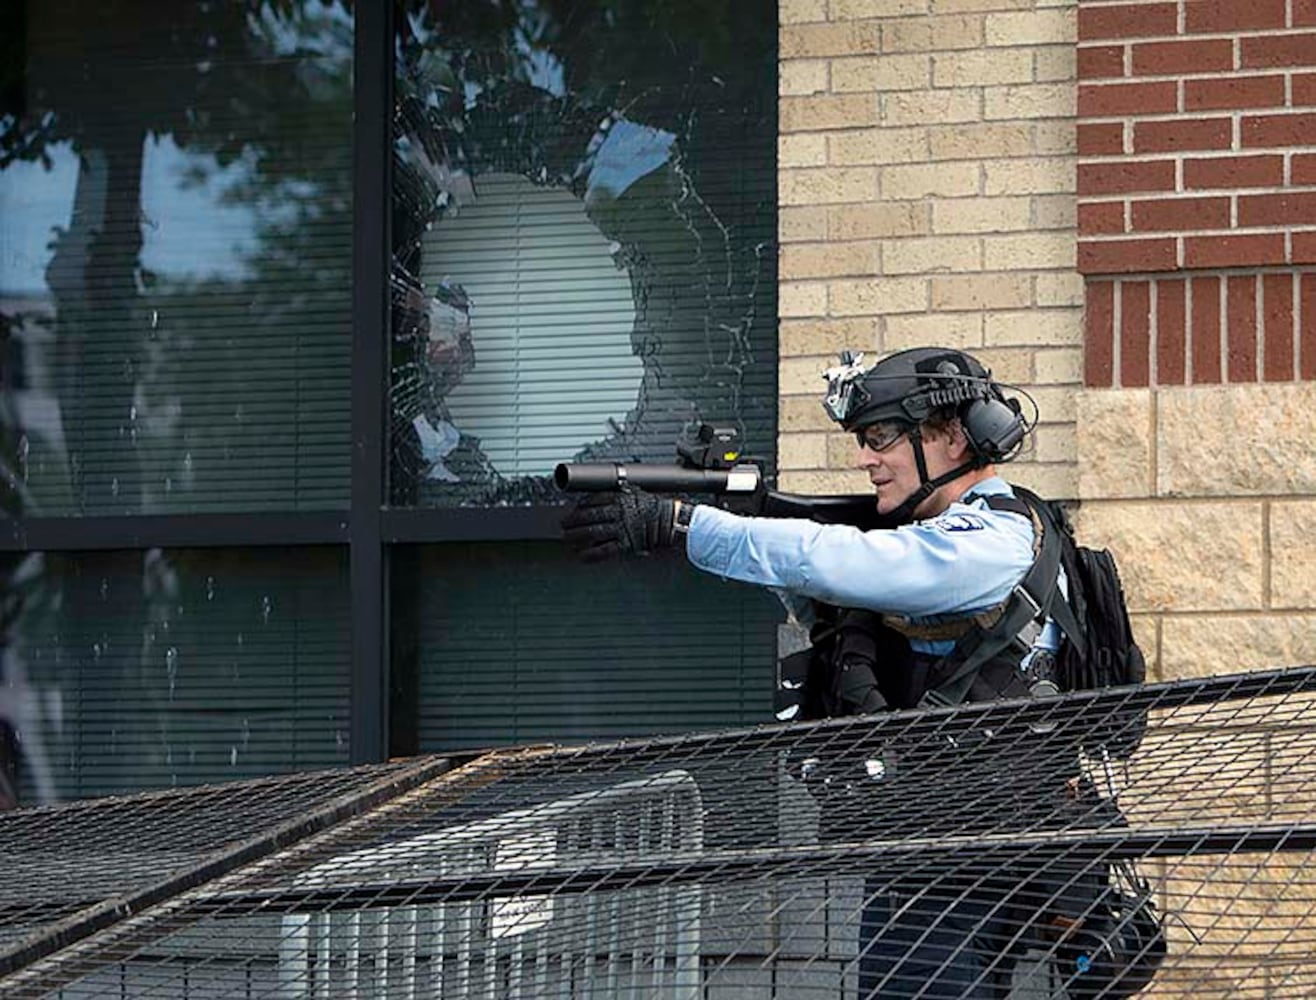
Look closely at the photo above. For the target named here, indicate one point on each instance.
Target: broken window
(584, 227)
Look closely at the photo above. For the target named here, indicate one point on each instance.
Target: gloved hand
(624, 522)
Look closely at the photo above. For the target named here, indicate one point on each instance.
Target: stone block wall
(927, 179)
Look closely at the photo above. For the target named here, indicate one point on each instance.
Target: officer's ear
(952, 430)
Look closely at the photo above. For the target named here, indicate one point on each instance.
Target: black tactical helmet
(906, 387)
(910, 386)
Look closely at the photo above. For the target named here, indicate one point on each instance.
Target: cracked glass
(584, 221)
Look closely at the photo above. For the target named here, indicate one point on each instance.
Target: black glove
(625, 522)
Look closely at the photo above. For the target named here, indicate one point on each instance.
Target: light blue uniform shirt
(964, 560)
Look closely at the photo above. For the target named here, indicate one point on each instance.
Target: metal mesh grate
(69, 862)
(742, 864)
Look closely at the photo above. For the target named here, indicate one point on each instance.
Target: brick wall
(1197, 152)
(927, 196)
(1196, 228)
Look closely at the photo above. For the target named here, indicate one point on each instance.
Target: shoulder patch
(960, 522)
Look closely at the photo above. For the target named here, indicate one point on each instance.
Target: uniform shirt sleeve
(964, 560)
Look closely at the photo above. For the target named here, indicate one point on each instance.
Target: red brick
(1233, 172)
(1304, 169)
(1279, 130)
(1097, 139)
(1277, 342)
(1177, 215)
(1241, 338)
(1304, 248)
(1099, 335)
(1131, 20)
(1206, 329)
(1182, 133)
(1304, 90)
(1125, 256)
(1135, 333)
(1278, 50)
(1277, 209)
(1233, 93)
(1105, 100)
(1304, 13)
(1307, 329)
(1233, 15)
(1171, 351)
(1100, 218)
(1097, 61)
(1122, 177)
(1233, 251)
(1172, 58)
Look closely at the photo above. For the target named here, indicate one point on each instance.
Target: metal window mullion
(371, 253)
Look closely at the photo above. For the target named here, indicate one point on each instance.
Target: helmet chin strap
(904, 514)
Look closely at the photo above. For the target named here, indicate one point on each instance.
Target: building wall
(1197, 229)
(1113, 204)
(927, 179)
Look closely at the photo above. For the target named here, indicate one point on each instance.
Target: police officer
(930, 425)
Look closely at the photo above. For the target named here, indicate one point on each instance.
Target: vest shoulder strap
(1033, 597)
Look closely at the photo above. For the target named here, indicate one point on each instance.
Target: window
(159, 667)
(583, 228)
(301, 303)
(176, 247)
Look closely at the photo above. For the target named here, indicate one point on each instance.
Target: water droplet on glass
(233, 756)
(210, 588)
(132, 412)
(23, 448)
(241, 639)
(187, 462)
(96, 651)
(155, 318)
(169, 484)
(266, 606)
(105, 588)
(114, 486)
(171, 667)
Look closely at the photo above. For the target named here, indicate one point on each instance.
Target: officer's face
(887, 455)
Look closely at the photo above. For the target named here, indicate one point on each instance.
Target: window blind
(522, 643)
(179, 238)
(584, 236)
(161, 668)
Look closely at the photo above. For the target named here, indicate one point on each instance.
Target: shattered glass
(583, 225)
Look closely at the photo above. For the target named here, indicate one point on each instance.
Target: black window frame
(368, 527)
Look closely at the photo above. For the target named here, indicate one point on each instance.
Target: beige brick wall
(927, 178)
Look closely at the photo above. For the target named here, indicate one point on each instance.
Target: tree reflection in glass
(529, 139)
(175, 184)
